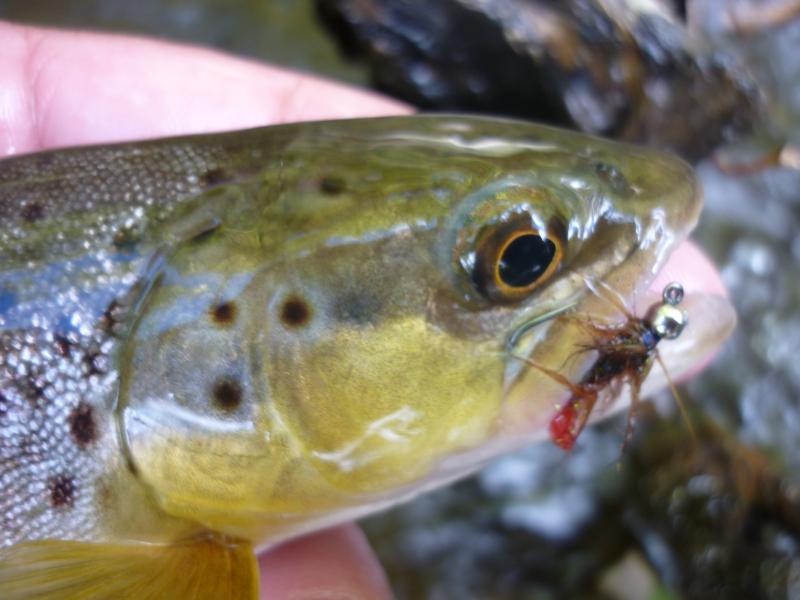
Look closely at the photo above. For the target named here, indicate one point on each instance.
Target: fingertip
(693, 269)
(337, 563)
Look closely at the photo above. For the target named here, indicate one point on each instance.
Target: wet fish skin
(260, 333)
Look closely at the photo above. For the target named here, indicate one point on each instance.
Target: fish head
(349, 332)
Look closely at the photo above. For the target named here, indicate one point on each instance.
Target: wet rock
(715, 516)
(625, 70)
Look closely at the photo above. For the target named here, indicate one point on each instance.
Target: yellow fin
(199, 568)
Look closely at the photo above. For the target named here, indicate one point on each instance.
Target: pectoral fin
(194, 569)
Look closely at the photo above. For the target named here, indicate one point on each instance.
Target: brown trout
(211, 343)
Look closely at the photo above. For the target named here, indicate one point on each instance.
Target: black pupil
(525, 259)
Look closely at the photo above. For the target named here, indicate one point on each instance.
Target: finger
(60, 88)
(335, 563)
(690, 266)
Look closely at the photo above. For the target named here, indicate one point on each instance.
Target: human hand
(61, 88)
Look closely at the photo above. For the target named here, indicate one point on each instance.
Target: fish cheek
(374, 406)
(189, 401)
(371, 392)
(200, 367)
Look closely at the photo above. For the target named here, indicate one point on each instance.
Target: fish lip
(712, 317)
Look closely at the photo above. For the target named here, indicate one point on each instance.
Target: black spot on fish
(32, 212)
(332, 185)
(82, 425)
(295, 312)
(63, 345)
(5, 405)
(110, 317)
(227, 394)
(214, 176)
(223, 313)
(126, 238)
(91, 362)
(34, 388)
(62, 490)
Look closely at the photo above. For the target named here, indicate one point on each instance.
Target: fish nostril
(613, 177)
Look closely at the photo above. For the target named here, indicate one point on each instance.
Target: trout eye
(514, 258)
(524, 259)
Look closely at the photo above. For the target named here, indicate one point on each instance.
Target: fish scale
(45, 373)
(56, 351)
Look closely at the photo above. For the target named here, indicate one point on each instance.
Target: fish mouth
(533, 398)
